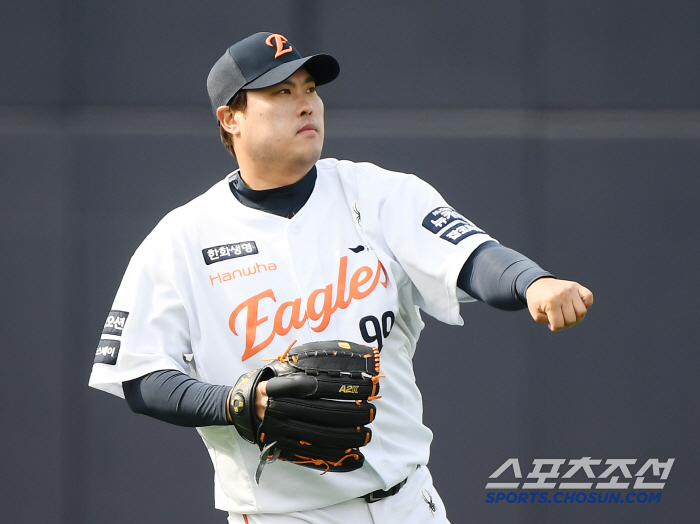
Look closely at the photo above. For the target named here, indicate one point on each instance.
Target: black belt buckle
(382, 494)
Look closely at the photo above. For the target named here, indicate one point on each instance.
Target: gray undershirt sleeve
(499, 276)
(177, 398)
(493, 274)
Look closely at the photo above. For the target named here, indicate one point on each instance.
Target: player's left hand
(558, 303)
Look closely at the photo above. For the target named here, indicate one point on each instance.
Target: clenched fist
(558, 303)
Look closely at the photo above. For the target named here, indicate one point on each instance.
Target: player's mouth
(308, 129)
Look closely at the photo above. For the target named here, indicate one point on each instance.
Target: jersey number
(374, 330)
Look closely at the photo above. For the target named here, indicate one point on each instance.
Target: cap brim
(323, 68)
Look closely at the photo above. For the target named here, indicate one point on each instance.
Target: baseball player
(278, 313)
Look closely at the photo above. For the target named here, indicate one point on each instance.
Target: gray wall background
(568, 130)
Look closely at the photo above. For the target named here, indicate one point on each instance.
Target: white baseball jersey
(217, 287)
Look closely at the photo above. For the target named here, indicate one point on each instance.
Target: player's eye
(312, 89)
(285, 91)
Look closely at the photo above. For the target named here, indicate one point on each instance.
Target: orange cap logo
(279, 42)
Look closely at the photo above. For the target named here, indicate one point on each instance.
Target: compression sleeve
(177, 398)
(499, 276)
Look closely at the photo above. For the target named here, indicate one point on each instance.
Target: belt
(382, 494)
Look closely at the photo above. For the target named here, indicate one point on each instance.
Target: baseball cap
(263, 60)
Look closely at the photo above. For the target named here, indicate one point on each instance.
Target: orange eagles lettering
(319, 306)
(279, 42)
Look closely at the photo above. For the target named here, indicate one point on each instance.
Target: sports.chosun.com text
(574, 497)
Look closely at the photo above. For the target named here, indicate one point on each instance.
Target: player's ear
(227, 119)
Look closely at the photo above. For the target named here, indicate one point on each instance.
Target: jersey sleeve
(147, 329)
(428, 238)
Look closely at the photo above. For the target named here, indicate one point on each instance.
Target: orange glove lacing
(327, 463)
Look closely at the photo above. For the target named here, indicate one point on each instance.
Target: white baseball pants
(416, 503)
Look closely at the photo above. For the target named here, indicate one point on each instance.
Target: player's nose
(304, 107)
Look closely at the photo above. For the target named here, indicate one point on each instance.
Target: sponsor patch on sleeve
(449, 225)
(115, 322)
(107, 352)
(228, 251)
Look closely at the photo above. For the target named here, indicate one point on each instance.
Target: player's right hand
(310, 406)
(261, 399)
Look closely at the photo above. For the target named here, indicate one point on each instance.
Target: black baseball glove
(318, 405)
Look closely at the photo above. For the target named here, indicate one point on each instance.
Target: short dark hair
(238, 103)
